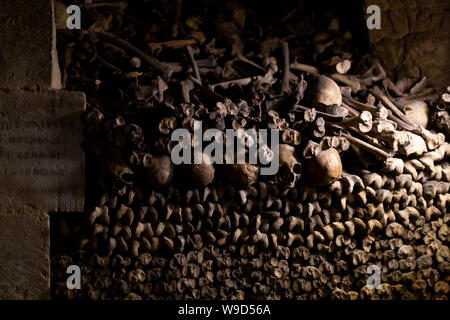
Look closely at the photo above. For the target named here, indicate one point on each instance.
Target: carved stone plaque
(41, 160)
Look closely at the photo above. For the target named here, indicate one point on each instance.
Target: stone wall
(414, 39)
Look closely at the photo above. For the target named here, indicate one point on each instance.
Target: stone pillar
(28, 57)
(41, 161)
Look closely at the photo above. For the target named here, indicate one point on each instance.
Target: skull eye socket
(285, 173)
(127, 178)
(297, 168)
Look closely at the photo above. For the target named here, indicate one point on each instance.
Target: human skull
(290, 166)
(113, 166)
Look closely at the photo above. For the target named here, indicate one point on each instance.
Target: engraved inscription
(41, 161)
